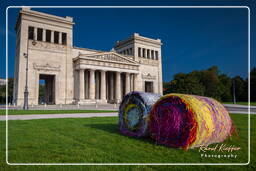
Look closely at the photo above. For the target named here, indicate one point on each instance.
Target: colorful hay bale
(133, 113)
(187, 121)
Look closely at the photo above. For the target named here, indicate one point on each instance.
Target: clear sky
(193, 39)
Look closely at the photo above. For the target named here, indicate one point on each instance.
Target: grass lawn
(31, 112)
(241, 103)
(97, 140)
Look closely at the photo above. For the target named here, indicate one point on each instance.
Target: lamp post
(234, 91)
(25, 105)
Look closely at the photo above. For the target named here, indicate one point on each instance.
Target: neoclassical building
(80, 75)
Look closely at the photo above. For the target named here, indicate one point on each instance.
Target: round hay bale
(188, 121)
(133, 113)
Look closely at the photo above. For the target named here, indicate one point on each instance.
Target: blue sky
(194, 39)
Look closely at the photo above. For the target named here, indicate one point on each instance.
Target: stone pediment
(109, 57)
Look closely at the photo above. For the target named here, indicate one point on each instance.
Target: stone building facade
(80, 75)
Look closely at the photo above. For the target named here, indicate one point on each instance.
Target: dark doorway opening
(149, 86)
(111, 87)
(122, 85)
(46, 89)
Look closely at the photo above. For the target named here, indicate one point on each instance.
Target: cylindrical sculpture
(187, 121)
(133, 113)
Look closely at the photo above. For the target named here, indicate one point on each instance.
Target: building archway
(46, 89)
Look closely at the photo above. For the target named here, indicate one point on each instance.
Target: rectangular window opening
(30, 33)
(39, 34)
(139, 52)
(156, 55)
(64, 38)
(48, 36)
(152, 54)
(56, 37)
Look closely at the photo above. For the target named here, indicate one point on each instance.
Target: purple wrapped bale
(134, 112)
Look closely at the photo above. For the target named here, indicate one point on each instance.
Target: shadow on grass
(113, 129)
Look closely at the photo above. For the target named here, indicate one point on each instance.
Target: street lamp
(25, 105)
(234, 91)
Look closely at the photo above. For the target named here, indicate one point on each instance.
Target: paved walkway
(239, 106)
(50, 116)
(95, 106)
(74, 115)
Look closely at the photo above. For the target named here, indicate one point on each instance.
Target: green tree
(3, 92)
(239, 87)
(211, 82)
(184, 83)
(225, 87)
(253, 84)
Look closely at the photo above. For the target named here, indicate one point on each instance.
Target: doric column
(60, 38)
(103, 86)
(92, 84)
(118, 87)
(44, 35)
(86, 85)
(81, 82)
(111, 86)
(52, 36)
(132, 83)
(149, 54)
(35, 34)
(152, 54)
(135, 82)
(127, 83)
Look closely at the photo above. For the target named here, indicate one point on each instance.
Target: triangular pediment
(109, 56)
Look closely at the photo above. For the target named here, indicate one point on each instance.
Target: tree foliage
(3, 92)
(211, 83)
(253, 84)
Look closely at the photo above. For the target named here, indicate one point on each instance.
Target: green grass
(97, 140)
(31, 112)
(241, 103)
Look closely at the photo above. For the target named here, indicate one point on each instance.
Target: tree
(211, 82)
(225, 88)
(184, 83)
(253, 84)
(239, 84)
(3, 92)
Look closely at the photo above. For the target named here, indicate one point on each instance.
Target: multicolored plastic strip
(133, 113)
(188, 121)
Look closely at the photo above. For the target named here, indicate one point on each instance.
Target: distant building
(80, 75)
(2, 81)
